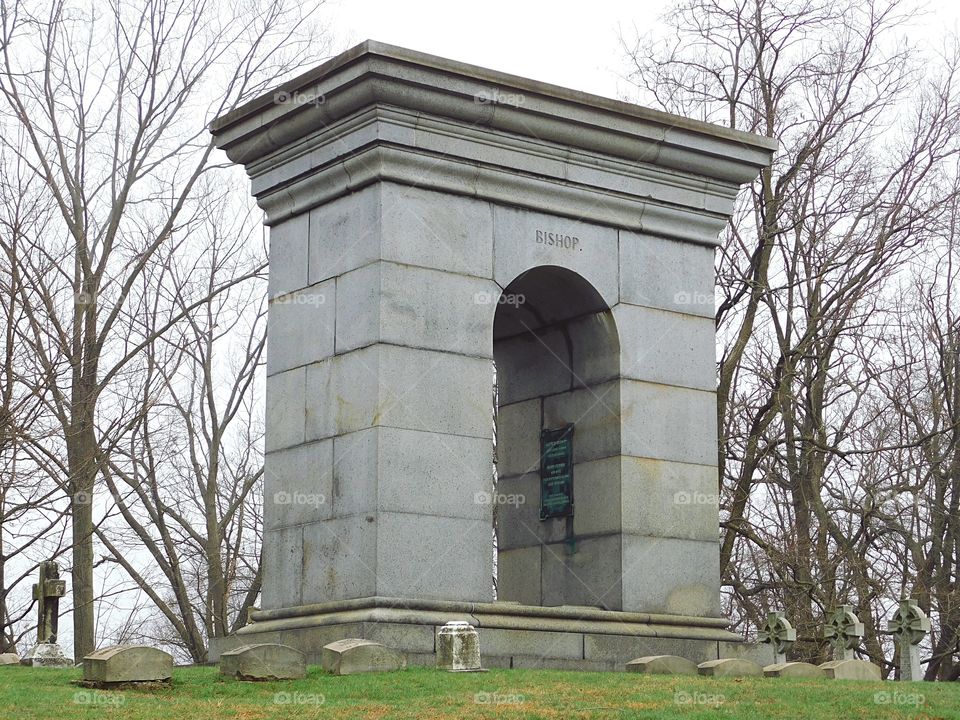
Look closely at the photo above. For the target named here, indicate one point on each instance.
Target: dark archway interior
(557, 358)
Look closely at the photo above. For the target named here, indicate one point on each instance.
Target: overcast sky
(571, 44)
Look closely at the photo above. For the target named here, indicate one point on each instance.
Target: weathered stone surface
(730, 667)
(662, 665)
(793, 670)
(851, 670)
(353, 656)
(263, 661)
(127, 663)
(9, 659)
(46, 655)
(458, 647)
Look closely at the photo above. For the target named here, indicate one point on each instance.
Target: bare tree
(113, 100)
(868, 133)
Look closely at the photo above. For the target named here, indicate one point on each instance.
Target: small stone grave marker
(127, 664)
(354, 656)
(662, 665)
(909, 626)
(263, 661)
(458, 647)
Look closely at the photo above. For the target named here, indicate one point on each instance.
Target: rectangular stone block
(531, 643)
(620, 649)
(402, 637)
(288, 255)
(285, 409)
(518, 575)
(340, 559)
(667, 347)
(666, 274)
(531, 366)
(416, 307)
(300, 327)
(518, 514)
(585, 573)
(282, 568)
(596, 497)
(687, 584)
(344, 234)
(591, 251)
(399, 387)
(437, 230)
(669, 423)
(595, 412)
(518, 438)
(434, 558)
(355, 468)
(298, 485)
(662, 498)
(594, 357)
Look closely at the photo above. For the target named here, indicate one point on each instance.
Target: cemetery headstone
(127, 664)
(730, 667)
(47, 592)
(909, 626)
(793, 670)
(354, 656)
(843, 631)
(778, 632)
(9, 659)
(851, 670)
(662, 665)
(264, 661)
(458, 647)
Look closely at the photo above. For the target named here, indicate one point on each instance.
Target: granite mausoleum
(432, 223)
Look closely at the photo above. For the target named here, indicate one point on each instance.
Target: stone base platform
(511, 635)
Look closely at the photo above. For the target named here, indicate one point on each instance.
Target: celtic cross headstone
(778, 632)
(909, 625)
(844, 632)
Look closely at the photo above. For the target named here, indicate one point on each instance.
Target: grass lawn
(200, 694)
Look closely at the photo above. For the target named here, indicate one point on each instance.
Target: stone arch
(557, 356)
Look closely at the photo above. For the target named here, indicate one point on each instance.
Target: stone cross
(844, 631)
(779, 633)
(47, 593)
(909, 625)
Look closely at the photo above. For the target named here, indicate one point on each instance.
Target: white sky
(574, 44)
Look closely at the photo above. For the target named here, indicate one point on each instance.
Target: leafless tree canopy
(835, 310)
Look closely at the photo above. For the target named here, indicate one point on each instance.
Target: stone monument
(47, 592)
(779, 633)
(843, 631)
(433, 223)
(909, 626)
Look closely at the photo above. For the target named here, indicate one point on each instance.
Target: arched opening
(557, 521)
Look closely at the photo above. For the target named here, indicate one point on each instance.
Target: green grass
(200, 694)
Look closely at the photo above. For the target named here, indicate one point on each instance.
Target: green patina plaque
(556, 472)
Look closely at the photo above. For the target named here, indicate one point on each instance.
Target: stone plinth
(264, 661)
(46, 655)
(127, 664)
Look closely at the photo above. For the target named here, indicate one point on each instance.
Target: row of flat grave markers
(844, 632)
